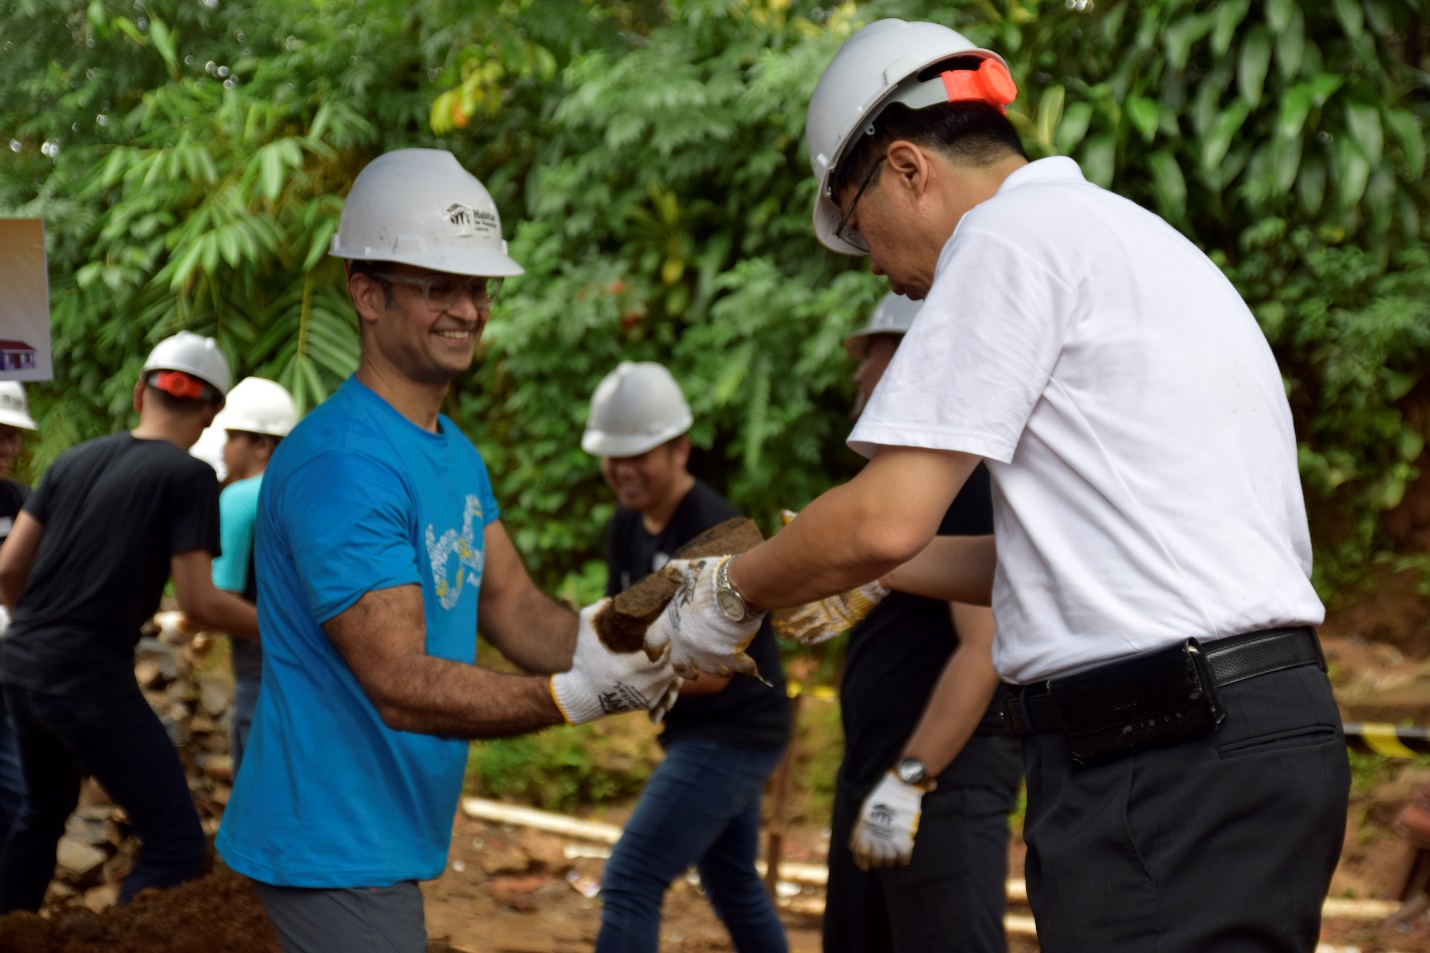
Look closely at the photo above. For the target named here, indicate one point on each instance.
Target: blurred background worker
(259, 413)
(725, 737)
(84, 567)
(925, 749)
(1186, 769)
(381, 553)
(14, 417)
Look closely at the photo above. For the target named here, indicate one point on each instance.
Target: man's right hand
(602, 682)
(694, 634)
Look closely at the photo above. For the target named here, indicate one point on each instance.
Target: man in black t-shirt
(925, 751)
(14, 418)
(83, 568)
(725, 735)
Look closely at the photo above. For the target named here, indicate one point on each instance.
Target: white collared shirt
(1133, 419)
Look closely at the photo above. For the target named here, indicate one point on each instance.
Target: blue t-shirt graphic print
(357, 499)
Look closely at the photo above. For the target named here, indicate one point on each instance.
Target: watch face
(912, 771)
(731, 604)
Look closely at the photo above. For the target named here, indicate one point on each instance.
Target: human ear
(910, 166)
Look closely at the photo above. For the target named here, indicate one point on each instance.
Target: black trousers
(1222, 844)
(952, 895)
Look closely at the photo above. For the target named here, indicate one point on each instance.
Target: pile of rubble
(188, 685)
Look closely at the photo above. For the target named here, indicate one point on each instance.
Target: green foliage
(1371, 771)
(565, 767)
(648, 161)
(189, 160)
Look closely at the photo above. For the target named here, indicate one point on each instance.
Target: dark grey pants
(346, 920)
(952, 896)
(1224, 843)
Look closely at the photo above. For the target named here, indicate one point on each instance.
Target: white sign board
(24, 302)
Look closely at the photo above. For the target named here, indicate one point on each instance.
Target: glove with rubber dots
(888, 821)
(602, 682)
(816, 622)
(694, 634)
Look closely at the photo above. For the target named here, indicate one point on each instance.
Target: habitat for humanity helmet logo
(467, 221)
(440, 550)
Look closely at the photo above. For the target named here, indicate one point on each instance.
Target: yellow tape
(1381, 739)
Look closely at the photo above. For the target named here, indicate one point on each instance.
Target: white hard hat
(14, 408)
(637, 407)
(894, 315)
(193, 354)
(209, 449)
(420, 207)
(875, 67)
(256, 405)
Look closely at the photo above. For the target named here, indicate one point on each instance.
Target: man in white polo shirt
(1187, 776)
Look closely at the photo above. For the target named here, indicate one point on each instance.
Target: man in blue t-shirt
(259, 414)
(378, 546)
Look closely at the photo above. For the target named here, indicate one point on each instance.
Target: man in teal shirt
(259, 413)
(378, 539)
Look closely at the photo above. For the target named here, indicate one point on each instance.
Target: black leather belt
(1232, 660)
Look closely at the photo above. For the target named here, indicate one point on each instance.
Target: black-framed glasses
(440, 292)
(842, 231)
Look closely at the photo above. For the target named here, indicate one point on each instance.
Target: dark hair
(357, 266)
(178, 405)
(967, 133)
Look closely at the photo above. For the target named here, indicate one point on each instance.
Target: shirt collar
(1044, 170)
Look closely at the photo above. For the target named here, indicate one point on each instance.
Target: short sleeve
(349, 525)
(238, 510)
(193, 508)
(978, 357)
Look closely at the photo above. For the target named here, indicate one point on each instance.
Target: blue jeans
(120, 741)
(701, 806)
(12, 782)
(245, 700)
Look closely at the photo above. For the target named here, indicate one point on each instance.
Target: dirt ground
(510, 890)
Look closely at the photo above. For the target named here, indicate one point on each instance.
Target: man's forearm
(957, 705)
(226, 612)
(857, 532)
(539, 635)
(434, 696)
(950, 569)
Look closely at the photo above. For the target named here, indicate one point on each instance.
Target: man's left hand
(888, 822)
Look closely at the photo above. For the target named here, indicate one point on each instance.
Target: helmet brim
(13, 418)
(476, 262)
(826, 220)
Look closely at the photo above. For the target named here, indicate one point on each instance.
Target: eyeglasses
(440, 292)
(842, 231)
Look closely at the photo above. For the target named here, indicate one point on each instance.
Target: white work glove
(663, 707)
(888, 821)
(602, 682)
(694, 634)
(816, 622)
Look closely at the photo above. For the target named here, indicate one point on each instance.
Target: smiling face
(424, 345)
(647, 481)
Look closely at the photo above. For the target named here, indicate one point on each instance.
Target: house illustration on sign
(16, 356)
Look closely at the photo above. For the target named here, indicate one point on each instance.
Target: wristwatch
(732, 605)
(912, 771)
